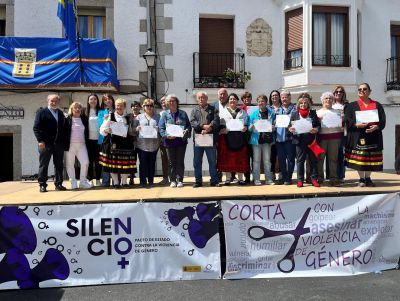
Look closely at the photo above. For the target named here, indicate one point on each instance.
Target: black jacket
(354, 133)
(305, 138)
(67, 131)
(46, 128)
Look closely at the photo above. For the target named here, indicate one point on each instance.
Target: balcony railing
(331, 60)
(209, 69)
(393, 73)
(294, 63)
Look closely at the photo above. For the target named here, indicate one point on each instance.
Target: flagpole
(78, 40)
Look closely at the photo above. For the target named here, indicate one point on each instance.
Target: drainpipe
(148, 30)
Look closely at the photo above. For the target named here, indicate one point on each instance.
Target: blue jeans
(286, 157)
(265, 150)
(211, 154)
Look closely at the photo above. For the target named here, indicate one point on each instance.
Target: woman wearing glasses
(364, 135)
(147, 143)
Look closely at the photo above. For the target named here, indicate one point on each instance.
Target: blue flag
(67, 16)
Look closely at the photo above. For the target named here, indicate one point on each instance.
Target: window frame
(90, 13)
(328, 11)
(287, 65)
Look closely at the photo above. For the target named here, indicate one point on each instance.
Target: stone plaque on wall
(259, 38)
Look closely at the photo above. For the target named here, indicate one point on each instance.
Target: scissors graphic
(299, 231)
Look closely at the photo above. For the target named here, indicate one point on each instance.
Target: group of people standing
(239, 139)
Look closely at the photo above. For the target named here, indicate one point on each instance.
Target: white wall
(36, 19)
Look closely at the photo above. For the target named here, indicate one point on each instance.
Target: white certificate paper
(302, 126)
(234, 125)
(263, 125)
(148, 131)
(205, 140)
(119, 129)
(174, 130)
(331, 120)
(282, 121)
(367, 116)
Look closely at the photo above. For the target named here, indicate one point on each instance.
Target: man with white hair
(205, 123)
(49, 132)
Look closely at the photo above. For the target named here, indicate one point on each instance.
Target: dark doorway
(6, 155)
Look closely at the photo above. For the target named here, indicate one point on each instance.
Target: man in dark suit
(48, 129)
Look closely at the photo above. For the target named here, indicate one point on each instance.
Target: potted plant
(236, 78)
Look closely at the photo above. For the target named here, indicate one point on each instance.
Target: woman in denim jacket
(261, 142)
(176, 146)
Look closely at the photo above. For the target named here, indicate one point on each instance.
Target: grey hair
(327, 94)
(202, 93)
(169, 96)
(287, 92)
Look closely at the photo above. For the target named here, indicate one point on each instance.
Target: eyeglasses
(362, 89)
(339, 91)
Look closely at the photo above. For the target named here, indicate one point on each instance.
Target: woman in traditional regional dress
(107, 106)
(116, 155)
(232, 151)
(364, 139)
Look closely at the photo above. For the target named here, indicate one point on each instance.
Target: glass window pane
(337, 39)
(319, 38)
(98, 27)
(83, 26)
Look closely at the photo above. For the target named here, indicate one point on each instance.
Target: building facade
(299, 45)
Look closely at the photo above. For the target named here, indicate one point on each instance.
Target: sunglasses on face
(339, 91)
(362, 89)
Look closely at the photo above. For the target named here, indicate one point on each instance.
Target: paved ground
(369, 287)
(20, 193)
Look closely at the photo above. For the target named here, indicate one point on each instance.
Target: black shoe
(288, 182)
(216, 184)
(280, 182)
(60, 188)
(42, 188)
(369, 183)
(242, 183)
(361, 183)
(125, 185)
(116, 186)
(197, 185)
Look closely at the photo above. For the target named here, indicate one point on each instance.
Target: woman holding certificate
(330, 137)
(304, 127)
(116, 154)
(175, 129)
(365, 119)
(147, 143)
(232, 151)
(261, 139)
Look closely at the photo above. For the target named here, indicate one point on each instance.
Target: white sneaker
(85, 184)
(74, 184)
(173, 184)
(98, 183)
(257, 182)
(269, 182)
(179, 185)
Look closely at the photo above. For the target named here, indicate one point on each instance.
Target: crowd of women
(275, 135)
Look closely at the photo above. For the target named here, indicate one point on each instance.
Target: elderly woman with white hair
(330, 136)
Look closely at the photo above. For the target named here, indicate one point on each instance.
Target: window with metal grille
(330, 36)
(294, 38)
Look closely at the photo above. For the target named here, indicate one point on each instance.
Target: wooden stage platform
(27, 192)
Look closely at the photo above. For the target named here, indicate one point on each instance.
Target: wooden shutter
(395, 30)
(294, 29)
